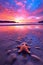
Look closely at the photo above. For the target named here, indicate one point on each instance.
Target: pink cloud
(19, 3)
(38, 11)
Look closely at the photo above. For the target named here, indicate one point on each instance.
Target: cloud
(9, 9)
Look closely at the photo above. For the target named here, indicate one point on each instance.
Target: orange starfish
(24, 47)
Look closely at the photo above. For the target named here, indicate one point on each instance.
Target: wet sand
(10, 37)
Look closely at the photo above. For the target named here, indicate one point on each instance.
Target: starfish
(24, 47)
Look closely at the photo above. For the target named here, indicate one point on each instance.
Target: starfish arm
(27, 51)
(21, 49)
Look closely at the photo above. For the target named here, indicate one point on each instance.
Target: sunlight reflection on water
(11, 28)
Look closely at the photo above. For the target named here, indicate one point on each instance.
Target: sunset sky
(21, 10)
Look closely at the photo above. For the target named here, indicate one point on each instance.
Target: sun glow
(19, 19)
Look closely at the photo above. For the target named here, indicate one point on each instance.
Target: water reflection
(11, 28)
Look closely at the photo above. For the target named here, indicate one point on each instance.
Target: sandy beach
(10, 37)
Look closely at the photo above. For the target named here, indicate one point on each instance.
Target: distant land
(13, 23)
(40, 22)
(16, 22)
(7, 21)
